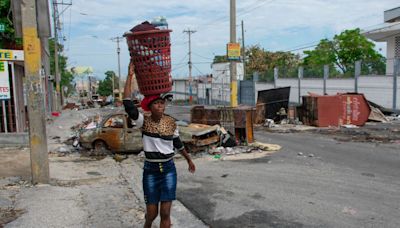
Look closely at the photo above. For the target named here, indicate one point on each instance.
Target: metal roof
(383, 31)
(392, 15)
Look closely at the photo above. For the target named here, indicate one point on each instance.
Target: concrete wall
(221, 72)
(14, 139)
(377, 89)
(178, 87)
(390, 55)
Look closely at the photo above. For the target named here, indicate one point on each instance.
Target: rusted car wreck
(118, 133)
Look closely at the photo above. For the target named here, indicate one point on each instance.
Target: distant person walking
(160, 138)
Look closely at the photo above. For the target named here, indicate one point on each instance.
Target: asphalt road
(334, 184)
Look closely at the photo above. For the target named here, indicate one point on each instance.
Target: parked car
(118, 133)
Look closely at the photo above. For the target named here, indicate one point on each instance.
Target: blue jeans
(159, 181)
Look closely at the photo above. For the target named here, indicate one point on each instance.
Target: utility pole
(56, 74)
(118, 39)
(36, 106)
(189, 32)
(234, 90)
(56, 17)
(243, 52)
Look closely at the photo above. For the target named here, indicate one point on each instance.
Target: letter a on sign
(4, 81)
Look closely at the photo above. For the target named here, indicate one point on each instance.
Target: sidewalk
(85, 192)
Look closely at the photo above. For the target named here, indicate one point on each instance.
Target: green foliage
(264, 62)
(7, 38)
(66, 76)
(220, 59)
(105, 86)
(342, 52)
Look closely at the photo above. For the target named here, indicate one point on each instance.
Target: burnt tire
(100, 148)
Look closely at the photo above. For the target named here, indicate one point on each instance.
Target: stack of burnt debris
(340, 110)
(201, 137)
(237, 122)
(223, 131)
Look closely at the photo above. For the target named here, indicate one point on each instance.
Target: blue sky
(276, 25)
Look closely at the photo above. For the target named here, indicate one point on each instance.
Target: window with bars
(397, 47)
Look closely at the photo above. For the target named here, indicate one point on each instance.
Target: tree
(264, 62)
(66, 76)
(7, 38)
(220, 59)
(343, 51)
(105, 86)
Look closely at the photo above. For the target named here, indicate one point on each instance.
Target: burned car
(118, 133)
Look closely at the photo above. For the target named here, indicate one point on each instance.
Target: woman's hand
(128, 89)
(192, 167)
(131, 69)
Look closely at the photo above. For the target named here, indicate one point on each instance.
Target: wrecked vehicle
(198, 137)
(118, 133)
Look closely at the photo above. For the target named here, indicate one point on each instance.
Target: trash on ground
(269, 123)
(377, 115)
(349, 126)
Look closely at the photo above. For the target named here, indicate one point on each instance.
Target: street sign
(233, 50)
(2, 27)
(11, 55)
(4, 81)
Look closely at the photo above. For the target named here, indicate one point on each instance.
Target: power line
(225, 19)
(181, 61)
(254, 8)
(198, 70)
(177, 68)
(201, 56)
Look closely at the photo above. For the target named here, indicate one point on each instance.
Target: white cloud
(274, 24)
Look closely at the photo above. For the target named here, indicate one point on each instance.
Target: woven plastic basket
(150, 52)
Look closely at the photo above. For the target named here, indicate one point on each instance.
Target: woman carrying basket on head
(160, 138)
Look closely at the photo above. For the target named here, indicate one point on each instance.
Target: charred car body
(118, 133)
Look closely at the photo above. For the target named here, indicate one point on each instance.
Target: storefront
(12, 100)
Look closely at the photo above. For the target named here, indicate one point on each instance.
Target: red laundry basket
(151, 54)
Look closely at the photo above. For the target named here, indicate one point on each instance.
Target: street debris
(198, 137)
(349, 211)
(349, 126)
(269, 123)
(8, 215)
(377, 115)
(276, 103)
(344, 116)
(237, 121)
(334, 110)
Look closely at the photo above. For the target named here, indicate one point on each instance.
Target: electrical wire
(197, 69)
(177, 68)
(201, 56)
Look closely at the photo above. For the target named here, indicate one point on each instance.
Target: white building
(388, 32)
(221, 72)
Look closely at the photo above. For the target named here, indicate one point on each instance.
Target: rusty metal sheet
(274, 100)
(337, 110)
(205, 115)
(259, 116)
(198, 129)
